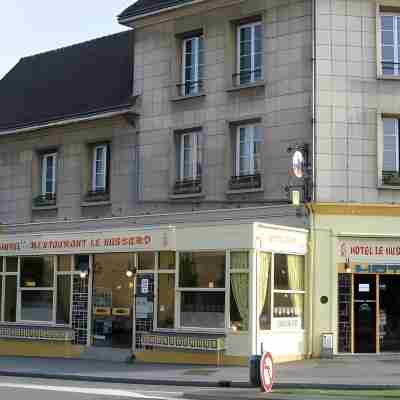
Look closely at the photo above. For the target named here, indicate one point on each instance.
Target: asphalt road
(40, 389)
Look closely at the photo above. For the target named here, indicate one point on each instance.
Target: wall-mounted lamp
(347, 266)
(130, 271)
(82, 265)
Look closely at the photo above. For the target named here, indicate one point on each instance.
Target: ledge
(190, 96)
(388, 77)
(390, 187)
(259, 84)
(186, 196)
(95, 203)
(249, 190)
(44, 208)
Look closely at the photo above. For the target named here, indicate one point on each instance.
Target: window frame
(195, 155)
(252, 171)
(239, 28)
(396, 42)
(195, 39)
(45, 157)
(104, 187)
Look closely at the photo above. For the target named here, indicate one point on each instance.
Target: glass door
(365, 313)
(389, 313)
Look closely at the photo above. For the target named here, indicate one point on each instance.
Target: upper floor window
(192, 65)
(390, 43)
(248, 143)
(249, 52)
(189, 160)
(390, 173)
(49, 171)
(100, 168)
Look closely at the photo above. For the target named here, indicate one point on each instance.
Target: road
(41, 389)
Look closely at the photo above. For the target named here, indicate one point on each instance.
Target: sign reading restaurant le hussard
(89, 242)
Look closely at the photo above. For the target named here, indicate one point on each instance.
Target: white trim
(67, 121)
(250, 135)
(193, 154)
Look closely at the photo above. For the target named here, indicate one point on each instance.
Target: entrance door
(389, 313)
(364, 313)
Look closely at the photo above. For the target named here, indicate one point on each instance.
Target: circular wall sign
(324, 299)
(298, 164)
(267, 372)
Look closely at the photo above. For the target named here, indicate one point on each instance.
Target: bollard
(255, 379)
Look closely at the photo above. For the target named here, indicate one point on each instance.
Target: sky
(28, 27)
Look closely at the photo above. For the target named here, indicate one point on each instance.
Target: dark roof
(146, 6)
(82, 79)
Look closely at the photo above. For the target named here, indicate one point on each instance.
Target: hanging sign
(298, 163)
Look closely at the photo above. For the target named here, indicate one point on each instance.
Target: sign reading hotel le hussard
(89, 242)
(368, 248)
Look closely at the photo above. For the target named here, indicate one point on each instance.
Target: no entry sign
(267, 372)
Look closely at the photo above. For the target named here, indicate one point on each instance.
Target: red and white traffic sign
(267, 372)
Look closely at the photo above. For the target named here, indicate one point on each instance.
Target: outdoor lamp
(83, 266)
(130, 272)
(347, 266)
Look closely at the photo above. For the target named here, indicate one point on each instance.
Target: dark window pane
(146, 260)
(387, 22)
(37, 305)
(289, 272)
(166, 260)
(10, 303)
(202, 270)
(64, 263)
(63, 299)
(37, 271)
(11, 264)
(203, 309)
(166, 301)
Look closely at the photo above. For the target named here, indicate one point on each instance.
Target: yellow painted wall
(324, 231)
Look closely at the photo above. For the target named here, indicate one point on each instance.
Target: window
(202, 290)
(390, 167)
(49, 171)
(288, 297)
(239, 291)
(99, 168)
(166, 301)
(249, 52)
(189, 160)
(390, 43)
(192, 65)
(248, 143)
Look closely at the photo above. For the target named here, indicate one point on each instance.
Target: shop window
(203, 309)
(63, 299)
(11, 264)
(166, 260)
(10, 300)
(239, 291)
(202, 287)
(166, 301)
(288, 309)
(37, 272)
(202, 270)
(37, 305)
(64, 263)
(146, 260)
(264, 290)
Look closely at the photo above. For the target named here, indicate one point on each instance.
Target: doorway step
(106, 354)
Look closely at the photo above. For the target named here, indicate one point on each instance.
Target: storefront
(357, 278)
(191, 293)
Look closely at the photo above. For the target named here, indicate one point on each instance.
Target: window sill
(259, 84)
(190, 96)
(244, 190)
(187, 196)
(383, 186)
(44, 208)
(95, 203)
(388, 77)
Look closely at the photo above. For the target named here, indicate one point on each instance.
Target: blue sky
(28, 27)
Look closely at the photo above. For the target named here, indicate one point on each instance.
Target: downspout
(312, 248)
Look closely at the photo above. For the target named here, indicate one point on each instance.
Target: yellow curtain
(265, 264)
(296, 280)
(240, 290)
(240, 260)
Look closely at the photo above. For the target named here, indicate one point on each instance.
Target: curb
(206, 384)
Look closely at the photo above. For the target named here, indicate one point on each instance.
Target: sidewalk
(355, 372)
